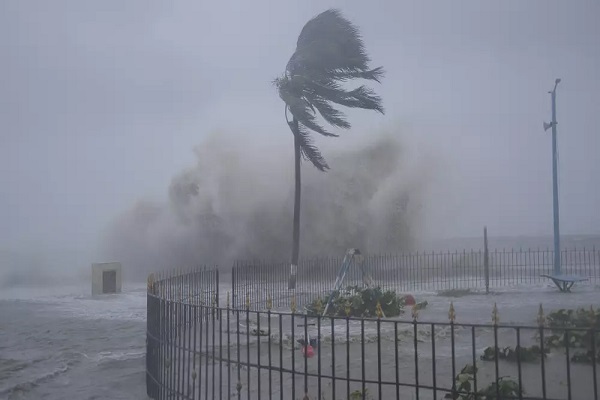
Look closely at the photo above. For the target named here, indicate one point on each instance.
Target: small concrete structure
(106, 278)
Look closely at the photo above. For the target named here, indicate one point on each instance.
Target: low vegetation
(580, 329)
(522, 354)
(355, 301)
(506, 387)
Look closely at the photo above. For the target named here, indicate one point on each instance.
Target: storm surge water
(236, 203)
(62, 343)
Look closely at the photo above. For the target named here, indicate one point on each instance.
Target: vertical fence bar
(172, 338)
(362, 356)
(227, 310)
(463, 264)
(428, 269)
(164, 350)
(593, 333)
(293, 340)
(596, 262)
(167, 339)
(529, 265)
(503, 270)
(496, 365)
(167, 345)
(213, 326)
(542, 349)
(519, 369)
(186, 344)
(348, 352)
(434, 373)
(258, 362)
(194, 349)
(415, 344)
(248, 383)
(486, 261)
(379, 357)
(149, 350)
(269, 343)
(568, 359)
(452, 317)
(233, 286)
(306, 344)
(180, 354)
(580, 261)
(207, 321)
(217, 294)
(473, 352)
(333, 381)
(238, 385)
(190, 329)
(220, 317)
(396, 357)
(590, 268)
(150, 357)
(319, 353)
(280, 356)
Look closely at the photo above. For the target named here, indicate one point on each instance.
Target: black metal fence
(169, 318)
(198, 349)
(409, 272)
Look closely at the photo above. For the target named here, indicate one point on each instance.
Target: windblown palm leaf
(329, 52)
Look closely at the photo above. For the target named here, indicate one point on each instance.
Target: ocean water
(62, 343)
(59, 342)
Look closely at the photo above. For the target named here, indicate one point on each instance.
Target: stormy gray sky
(102, 102)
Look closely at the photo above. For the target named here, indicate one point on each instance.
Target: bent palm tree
(329, 52)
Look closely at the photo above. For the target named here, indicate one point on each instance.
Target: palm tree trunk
(296, 228)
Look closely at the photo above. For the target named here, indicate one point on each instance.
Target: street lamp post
(555, 180)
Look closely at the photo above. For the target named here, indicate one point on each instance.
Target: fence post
(217, 299)
(233, 286)
(151, 339)
(486, 261)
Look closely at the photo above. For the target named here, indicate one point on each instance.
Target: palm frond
(362, 97)
(330, 114)
(300, 108)
(345, 75)
(309, 151)
(329, 51)
(329, 42)
(331, 91)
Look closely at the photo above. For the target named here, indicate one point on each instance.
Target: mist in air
(236, 203)
(150, 132)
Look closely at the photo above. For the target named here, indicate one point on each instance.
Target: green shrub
(558, 321)
(580, 318)
(507, 388)
(525, 354)
(585, 357)
(360, 302)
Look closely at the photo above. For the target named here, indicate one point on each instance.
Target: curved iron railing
(200, 349)
(419, 271)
